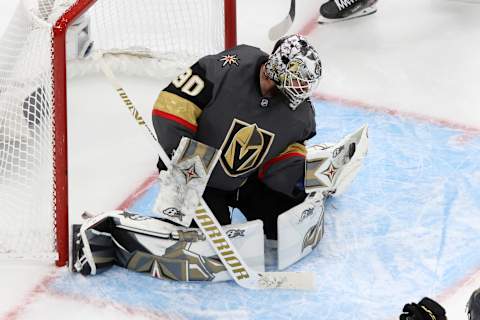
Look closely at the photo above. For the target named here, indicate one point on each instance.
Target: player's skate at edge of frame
(340, 10)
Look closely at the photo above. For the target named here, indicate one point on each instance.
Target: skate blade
(361, 13)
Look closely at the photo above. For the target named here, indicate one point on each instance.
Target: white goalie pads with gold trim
(169, 251)
(184, 182)
(329, 170)
(180, 246)
(300, 229)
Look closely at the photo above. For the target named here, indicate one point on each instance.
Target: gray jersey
(218, 102)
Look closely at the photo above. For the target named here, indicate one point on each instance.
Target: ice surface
(403, 231)
(407, 228)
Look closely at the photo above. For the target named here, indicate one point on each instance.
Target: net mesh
(159, 35)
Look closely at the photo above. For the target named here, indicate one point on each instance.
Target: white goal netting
(142, 37)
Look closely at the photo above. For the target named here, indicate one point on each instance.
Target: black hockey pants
(255, 200)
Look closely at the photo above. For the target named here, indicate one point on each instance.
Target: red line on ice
(469, 130)
(138, 192)
(42, 286)
(469, 133)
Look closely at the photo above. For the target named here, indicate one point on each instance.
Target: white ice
(414, 58)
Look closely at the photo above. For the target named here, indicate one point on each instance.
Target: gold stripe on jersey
(295, 148)
(178, 106)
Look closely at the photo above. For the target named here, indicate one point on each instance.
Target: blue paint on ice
(405, 229)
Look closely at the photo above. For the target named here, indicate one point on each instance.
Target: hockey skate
(79, 262)
(91, 252)
(339, 10)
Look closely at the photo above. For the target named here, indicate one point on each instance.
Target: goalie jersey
(218, 102)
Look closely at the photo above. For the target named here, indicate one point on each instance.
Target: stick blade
(280, 29)
(287, 280)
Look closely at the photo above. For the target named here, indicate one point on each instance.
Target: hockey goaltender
(234, 125)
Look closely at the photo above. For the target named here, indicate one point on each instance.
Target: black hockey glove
(426, 309)
(160, 165)
(473, 306)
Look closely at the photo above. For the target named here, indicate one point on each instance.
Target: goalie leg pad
(165, 250)
(300, 229)
(184, 254)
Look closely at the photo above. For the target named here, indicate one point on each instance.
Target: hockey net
(45, 41)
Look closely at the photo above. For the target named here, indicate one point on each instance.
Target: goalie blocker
(170, 251)
(185, 181)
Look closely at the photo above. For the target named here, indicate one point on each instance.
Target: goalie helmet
(295, 67)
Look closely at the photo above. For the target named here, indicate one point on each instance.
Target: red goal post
(60, 100)
(56, 111)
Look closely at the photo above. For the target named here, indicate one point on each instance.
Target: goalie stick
(282, 27)
(241, 273)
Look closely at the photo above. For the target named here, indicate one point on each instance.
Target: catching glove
(426, 309)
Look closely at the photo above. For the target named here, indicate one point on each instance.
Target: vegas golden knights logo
(244, 148)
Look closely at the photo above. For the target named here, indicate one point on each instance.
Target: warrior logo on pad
(244, 148)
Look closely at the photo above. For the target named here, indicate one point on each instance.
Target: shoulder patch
(229, 59)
